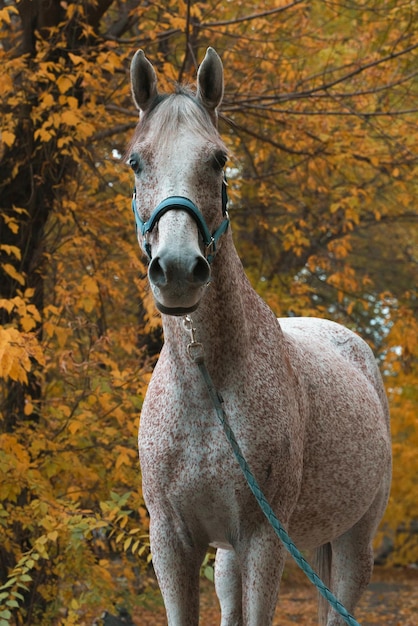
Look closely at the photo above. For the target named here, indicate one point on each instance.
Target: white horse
(303, 396)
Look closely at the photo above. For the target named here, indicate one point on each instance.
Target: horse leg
(263, 557)
(177, 563)
(228, 585)
(351, 569)
(352, 560)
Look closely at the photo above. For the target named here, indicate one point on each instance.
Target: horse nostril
(201, 271)
(165, 269)
(156, 272)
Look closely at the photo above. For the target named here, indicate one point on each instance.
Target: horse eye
(219, 160)
(135, 163)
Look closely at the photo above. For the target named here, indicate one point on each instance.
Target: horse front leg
(228, 585)
(176, 559)
(262, 558)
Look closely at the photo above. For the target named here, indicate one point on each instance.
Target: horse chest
(187, 464)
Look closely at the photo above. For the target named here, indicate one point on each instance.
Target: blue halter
(209, 239)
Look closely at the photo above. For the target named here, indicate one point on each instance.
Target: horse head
(179, 200)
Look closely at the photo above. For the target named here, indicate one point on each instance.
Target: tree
(68, 408)
(319, 112)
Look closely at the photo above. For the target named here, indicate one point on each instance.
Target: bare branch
(357, 71)
(186, 54)
(253, 16)
(266, 139)
(115, 130)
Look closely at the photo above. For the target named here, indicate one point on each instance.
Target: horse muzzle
(179, 269)
(178, 281)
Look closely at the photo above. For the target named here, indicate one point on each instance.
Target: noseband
(209, 239)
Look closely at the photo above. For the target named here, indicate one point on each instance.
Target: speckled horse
(303, 396)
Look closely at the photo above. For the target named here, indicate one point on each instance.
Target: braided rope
(264, 505)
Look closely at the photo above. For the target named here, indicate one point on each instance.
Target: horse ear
(210, 81)
(143, 81)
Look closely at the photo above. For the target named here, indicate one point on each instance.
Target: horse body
(303, 397)
(347, 429)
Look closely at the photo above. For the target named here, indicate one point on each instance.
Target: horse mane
(169, 112)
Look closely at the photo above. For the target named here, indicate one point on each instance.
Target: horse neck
(229, 317)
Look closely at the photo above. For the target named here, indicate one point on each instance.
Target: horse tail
(323, 558)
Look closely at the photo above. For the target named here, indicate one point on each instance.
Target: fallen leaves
(392, 599)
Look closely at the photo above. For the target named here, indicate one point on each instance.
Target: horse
(303, 396)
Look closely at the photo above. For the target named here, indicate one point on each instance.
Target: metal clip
(188, 327)
(210, 248)
(194, 348)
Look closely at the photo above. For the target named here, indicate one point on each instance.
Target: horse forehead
(181, 148)
(179, 125)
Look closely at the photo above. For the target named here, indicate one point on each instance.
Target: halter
(209, 239)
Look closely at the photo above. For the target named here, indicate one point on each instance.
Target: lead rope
(196, 354)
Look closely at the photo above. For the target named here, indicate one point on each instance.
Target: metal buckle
(210, 248)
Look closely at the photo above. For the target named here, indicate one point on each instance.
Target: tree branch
(253, 16)
(115, 130)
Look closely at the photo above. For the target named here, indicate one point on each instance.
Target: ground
(391, 599)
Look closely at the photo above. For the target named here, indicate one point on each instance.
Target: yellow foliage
(7, 137)
(17, 350)
(76, 59)
(28, 315)
(11, 271)
(11, 251)
(321, 181)
(70, 117)
(64, 83)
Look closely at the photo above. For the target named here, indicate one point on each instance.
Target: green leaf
(9, 583)
(6, 614)
(25, 578)
(18, 595)
(208, 572)
(13, 604)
